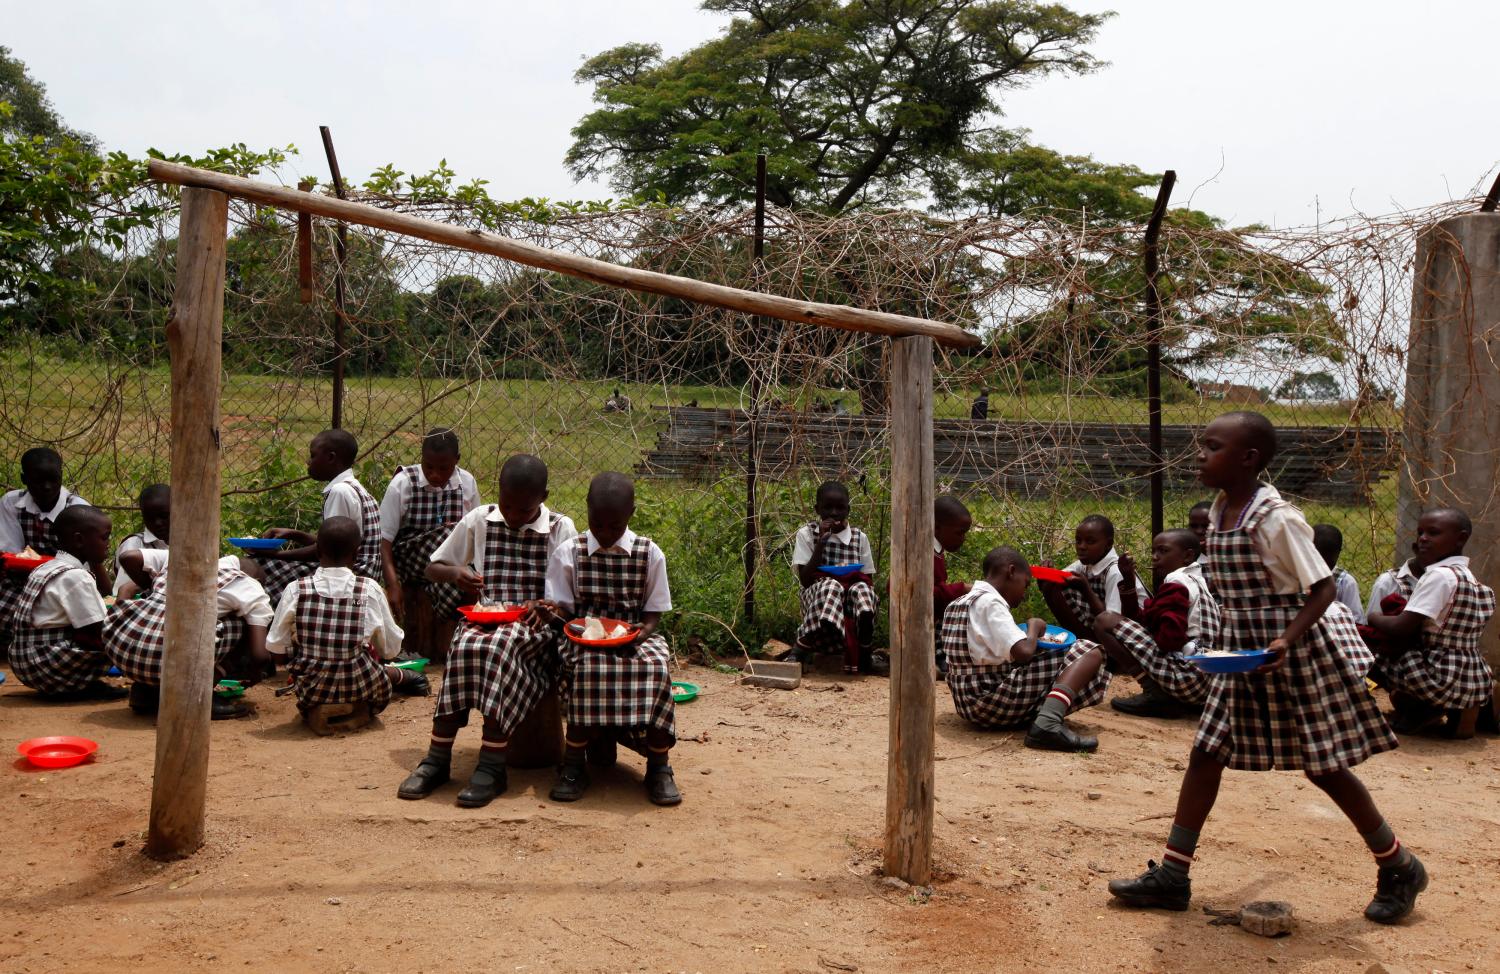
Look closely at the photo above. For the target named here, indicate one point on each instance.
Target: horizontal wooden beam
(601, 272)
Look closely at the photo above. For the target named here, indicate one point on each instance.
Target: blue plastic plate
(2, 678)
(840, 570)
(113, 671)
(1066, 638)
(1238, 663)
(259, 544)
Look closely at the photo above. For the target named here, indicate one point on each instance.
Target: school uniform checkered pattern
(280, 575)
(50, 660)
(1447, 669)
(1004, 695)
(504, 670)
(425, 524)
(1179, 678)
(829, 602)
(1315, 714)
(135, 632)
(38, 534)
(1080, 603)
(367, 562)
(330, 660)
(600, 688)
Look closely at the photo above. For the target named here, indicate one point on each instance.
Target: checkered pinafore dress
(426, 522)
(1004, 695)
(37, 532)
(1178, 677)
(1315, 714)
(49, 660)
(135, 632)
(827, 601)
(602, 689)
(1080, 604)
(1447, 669)
(503, 670)
(330, 661)
(367, 561)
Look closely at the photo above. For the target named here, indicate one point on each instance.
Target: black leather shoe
(487, 781)
(572, 782)
(661, 788)
(1059, 738)
(227, 710)
(422, 782)
(602, 751)
(1396, 889)
(413, 684)
(1153, 702)
(1153, 889)
(145, 699)
(874, 664)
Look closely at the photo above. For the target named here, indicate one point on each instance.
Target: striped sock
(1177, 859)
(1054, 707)
(1385, 847)
(441, 744)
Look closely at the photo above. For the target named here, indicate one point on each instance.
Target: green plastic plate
(684, 692)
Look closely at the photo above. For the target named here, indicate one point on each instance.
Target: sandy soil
(771, 863)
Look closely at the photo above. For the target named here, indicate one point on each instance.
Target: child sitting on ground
(155, 505)
(1180, 619)
(1001, 678)
(838, 611)
(334, 627)
(1429, 656)
(499, 556)
(56, 645)
(421, 506)
(27, 517)
(330, 456)
(135, 632)
(621, 694)
(1097, 570)
(951, 522)
(1197, 523)
(1392, 587)
(1329, 541)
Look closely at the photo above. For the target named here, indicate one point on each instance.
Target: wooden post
(752, 520)
(194, 334)
(1151, 257)
(909, 775)
(340, 312)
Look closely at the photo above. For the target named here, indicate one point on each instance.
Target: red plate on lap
(574, 631)
(1044, 574)
(488, 617)
(23, 563)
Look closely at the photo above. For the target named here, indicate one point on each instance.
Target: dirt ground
(770, 864)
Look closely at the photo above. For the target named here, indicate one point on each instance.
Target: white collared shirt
(12, 538)
(464, 545)
(937, 546)
(71, 599)
(802, 546)
(377, 625)
(1108, 568)
(1433, 596)
(1347, 591)
(560, 588)
(1284, 540)
(1386, 583)
(993, 632)
(341, 498)
(243, 597)
(398, 495)
(1191, 578)
(136, 542)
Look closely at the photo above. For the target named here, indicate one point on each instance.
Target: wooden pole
(340, 312)
(194, 333)
(601, 272)
(909, 775)
(752, 521)
(1152, 260)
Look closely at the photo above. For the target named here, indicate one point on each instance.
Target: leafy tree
(31, 115)
(1309, 385)
(1003, 175)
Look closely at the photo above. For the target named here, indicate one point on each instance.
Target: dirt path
(769, 865)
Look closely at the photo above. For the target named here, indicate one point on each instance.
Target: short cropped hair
(997, 559)
(1185, 538)
(154, 494)
(610, 491)
(1453, 514)
(442, 441)
(1102, 523)
(1258, 431)
(338, 538)
(342, 443)
(75, 518)
(39, 459)
(525, 473)
(831, 488)
(948, 508)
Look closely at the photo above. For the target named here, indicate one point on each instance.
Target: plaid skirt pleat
(501, 671)
(280, 574)
(359, 678)
(602, 689)
(135, 638)
(413, 553)
(1178, 677)
(331, 662)
(1448, 670)
(827, 603)
(11, 586)
(1003, 696)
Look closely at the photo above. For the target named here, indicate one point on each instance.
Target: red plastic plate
(22, 563)
(490, 617)
(57, 752)
(609, 624)
(1044, 574)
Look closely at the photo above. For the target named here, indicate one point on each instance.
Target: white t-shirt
(377, 625)
(1433, 596)
(1347, 592)
(243, 597)
(398, 495)
(802, 546)
(1284, 540)
(464, 546)
(12, 538)
(993, 632)
(71, 599)
(135, 542)
(341, 498)
(560, 587)
(1386, 583)
(1109, 568)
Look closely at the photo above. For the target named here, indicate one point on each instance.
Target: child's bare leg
(1167, 886)
(1050, 732)
(433, 770)
(660, 786)
(1401, 876)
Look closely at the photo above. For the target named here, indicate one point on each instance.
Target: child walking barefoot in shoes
(1307, 709)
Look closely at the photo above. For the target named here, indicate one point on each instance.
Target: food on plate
(593, 628)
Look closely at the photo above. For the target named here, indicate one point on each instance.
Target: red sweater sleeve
(1166, 616)
(943, 591)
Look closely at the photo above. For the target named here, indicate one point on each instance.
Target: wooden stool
(426, 634)
(1461, 723)
(537, 742)
(337, 718)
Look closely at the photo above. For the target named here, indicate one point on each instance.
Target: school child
(334, 628)
(155, 505)
(56, 647)
(421, 506)
(135, 631)
(330, 456)
(496, 554)
(1001, 678)
(1180, 619)
(1197, 522)
(1308, 708)
(951, 522)
(1098, 570)
(26, 520)
(1399, 582)
(837, 610)
(624, 694)
(1429, 656)
(1329, 541)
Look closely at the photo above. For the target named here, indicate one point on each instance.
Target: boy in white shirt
(26, 521)
(1329, 541)
(1001, 678)
(155, 505)
(1097, 569)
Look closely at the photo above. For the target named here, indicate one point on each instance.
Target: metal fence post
(1152, 260)
(341, 251)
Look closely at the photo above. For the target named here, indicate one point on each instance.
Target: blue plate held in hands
(840, 571)
(1230, 662)
(259, 544)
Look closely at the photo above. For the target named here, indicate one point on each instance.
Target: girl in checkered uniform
(334, 629)
(330, 456)
(135, 632)
(421, 507)
(621, 693)
(497, 554)
(1097, 575)
(1308, 708)
(838, 611)
(998, 675)
(26, 520)
(1429, 652)
(155, 505)
(56, 646)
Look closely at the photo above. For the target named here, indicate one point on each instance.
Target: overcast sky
(1270, 111)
